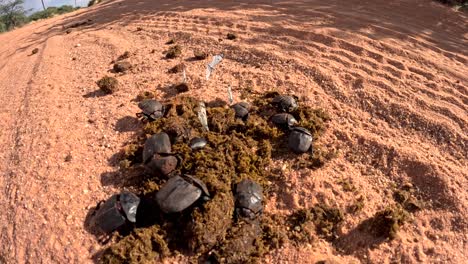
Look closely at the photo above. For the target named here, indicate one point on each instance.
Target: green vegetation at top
(460, 5)
(13, 14)
(52, 11)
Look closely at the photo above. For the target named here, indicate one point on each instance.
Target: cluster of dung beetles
(300, 139)
(180, 191)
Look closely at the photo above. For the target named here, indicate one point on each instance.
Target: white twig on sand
(210, 67)
(184, 76)
(202, 116)
(231, 99)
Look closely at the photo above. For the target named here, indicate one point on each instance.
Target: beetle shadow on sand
(127, 124)
(94, 94)
(358, 241)
(195, 59)
(123, 178)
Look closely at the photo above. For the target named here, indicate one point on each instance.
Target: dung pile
(207, 201)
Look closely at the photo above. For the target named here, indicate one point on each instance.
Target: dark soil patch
(178, 68)
(182, 87)
(174, 52)
(231, 36)
(124, 56)
(122, 66)
(108, 84)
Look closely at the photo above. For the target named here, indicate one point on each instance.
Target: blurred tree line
(13, 14)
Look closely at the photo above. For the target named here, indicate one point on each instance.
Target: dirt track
(392, 75)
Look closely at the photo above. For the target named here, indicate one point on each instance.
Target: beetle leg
(104, 239)
(98, 206)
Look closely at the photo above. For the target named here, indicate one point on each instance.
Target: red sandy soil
(392, 74)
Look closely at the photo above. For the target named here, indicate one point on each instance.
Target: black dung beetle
(284, 120)
(249, 199)
(115, 212)
(300, 139)
(242, 110)
(157, 144)
(151, 110)
(285, 103)
(180, 192)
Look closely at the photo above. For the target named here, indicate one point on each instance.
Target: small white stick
(202, 116)
(231, 100)
(184, 76)
(210, 67)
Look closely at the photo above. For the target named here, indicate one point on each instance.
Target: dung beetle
(197, 143)
(285, 103)
(242, 110)
(116, 211)
(151, 110)
(300, 139)
(284, 120)
(180, 192)
(249, 199)
(163, 165)
(157, 144)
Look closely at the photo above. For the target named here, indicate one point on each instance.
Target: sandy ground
(392, 74)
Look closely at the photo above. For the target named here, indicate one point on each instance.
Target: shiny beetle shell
(284, 120)
(114, 212)
(249, 199)
(157, 144)
(178, 193)
(197, 143)
(285, 103)
(242, 110)
(151, 109)
(300, 140)
(129, 203)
